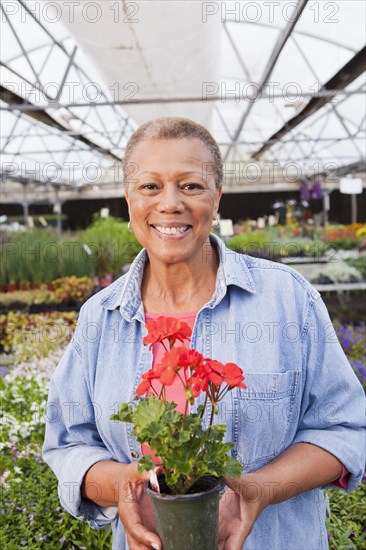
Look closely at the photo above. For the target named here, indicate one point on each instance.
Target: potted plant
(193, 458)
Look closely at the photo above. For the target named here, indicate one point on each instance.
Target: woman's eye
(149, 186)
(191, 186)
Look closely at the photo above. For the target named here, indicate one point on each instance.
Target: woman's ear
(218, 198)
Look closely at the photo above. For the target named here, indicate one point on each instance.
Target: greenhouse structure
(280, 86)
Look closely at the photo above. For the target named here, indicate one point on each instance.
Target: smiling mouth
(171, 230)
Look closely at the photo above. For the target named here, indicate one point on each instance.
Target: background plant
(31, 516)
(67, 289)
(42, 295)
(41, 256)
(353, 342)
(111, 245)
(346, 524)
(337, 272)
(27, 335)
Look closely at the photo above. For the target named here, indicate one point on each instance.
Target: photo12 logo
(268, 12)
(70, 11)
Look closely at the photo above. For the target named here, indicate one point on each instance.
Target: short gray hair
(175, 128)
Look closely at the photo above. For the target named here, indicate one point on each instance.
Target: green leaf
(148, 411)
(233, 468)
(145, 463)
(125, 412)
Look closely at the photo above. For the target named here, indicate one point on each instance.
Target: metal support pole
(354, 207)
(57, 208)
(326, 207)
(25, 205)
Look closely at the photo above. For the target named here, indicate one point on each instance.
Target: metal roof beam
(160, 100)
(354, 167)
(280, 44)
(41, 116)
(345, 76)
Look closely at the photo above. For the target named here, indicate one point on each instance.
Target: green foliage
(29, 336)
(71, 288)
(347, 524)
(255, 243)
(31, 516)
(271, 245)
(187, 451)
(111, 245)
(359, 263)
(41, 256)
(63, 290)
(33, 296)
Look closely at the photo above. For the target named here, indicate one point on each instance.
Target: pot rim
(218, 488)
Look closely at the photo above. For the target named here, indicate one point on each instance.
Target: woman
(297, 428)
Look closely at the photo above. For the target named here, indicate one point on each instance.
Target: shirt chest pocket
(263, 416)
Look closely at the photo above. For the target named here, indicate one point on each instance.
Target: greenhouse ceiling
(281, 86)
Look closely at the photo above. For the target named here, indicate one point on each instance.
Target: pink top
(175, 391)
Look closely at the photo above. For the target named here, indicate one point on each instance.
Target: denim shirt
(301, 388)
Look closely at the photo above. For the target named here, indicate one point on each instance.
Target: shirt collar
(125, 293)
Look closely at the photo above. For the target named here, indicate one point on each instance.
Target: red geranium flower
(230, 373)
(166, 328)
(168, 367)
(189, 358)
(176, 359)
(233, 376)
(143, 387)
(147, 377)
(199, 381)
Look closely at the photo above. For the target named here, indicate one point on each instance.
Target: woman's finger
(135, 529)
(134, 516)
(133, 544)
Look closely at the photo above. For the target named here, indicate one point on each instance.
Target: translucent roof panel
(78, 78)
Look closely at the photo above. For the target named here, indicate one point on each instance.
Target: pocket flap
(270, 385)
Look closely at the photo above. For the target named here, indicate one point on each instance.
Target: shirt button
(134, 454)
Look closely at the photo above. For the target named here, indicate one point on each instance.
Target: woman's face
(172, 198)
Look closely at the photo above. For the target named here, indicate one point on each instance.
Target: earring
(129, 226)
(215, 223)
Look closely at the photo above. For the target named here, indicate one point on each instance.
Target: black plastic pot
(188, 522)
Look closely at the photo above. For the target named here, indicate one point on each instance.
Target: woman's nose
(170, 200)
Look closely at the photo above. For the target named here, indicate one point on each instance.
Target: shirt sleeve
(342, 482)
(72, 442)
(332, 412)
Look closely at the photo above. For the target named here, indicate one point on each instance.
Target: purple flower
(317, 192)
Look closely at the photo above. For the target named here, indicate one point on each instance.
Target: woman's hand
(135, 510)
(122, 485)
(237, 516)
(300, 468)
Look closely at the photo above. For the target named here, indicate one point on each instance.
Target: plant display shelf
(305, 260)
(340, 287)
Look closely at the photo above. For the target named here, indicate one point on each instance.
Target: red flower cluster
(197, 373)
(166, 328)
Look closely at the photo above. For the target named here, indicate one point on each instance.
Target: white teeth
(171, 230)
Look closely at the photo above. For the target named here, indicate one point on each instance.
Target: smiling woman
(298, 427)
(172, 202)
